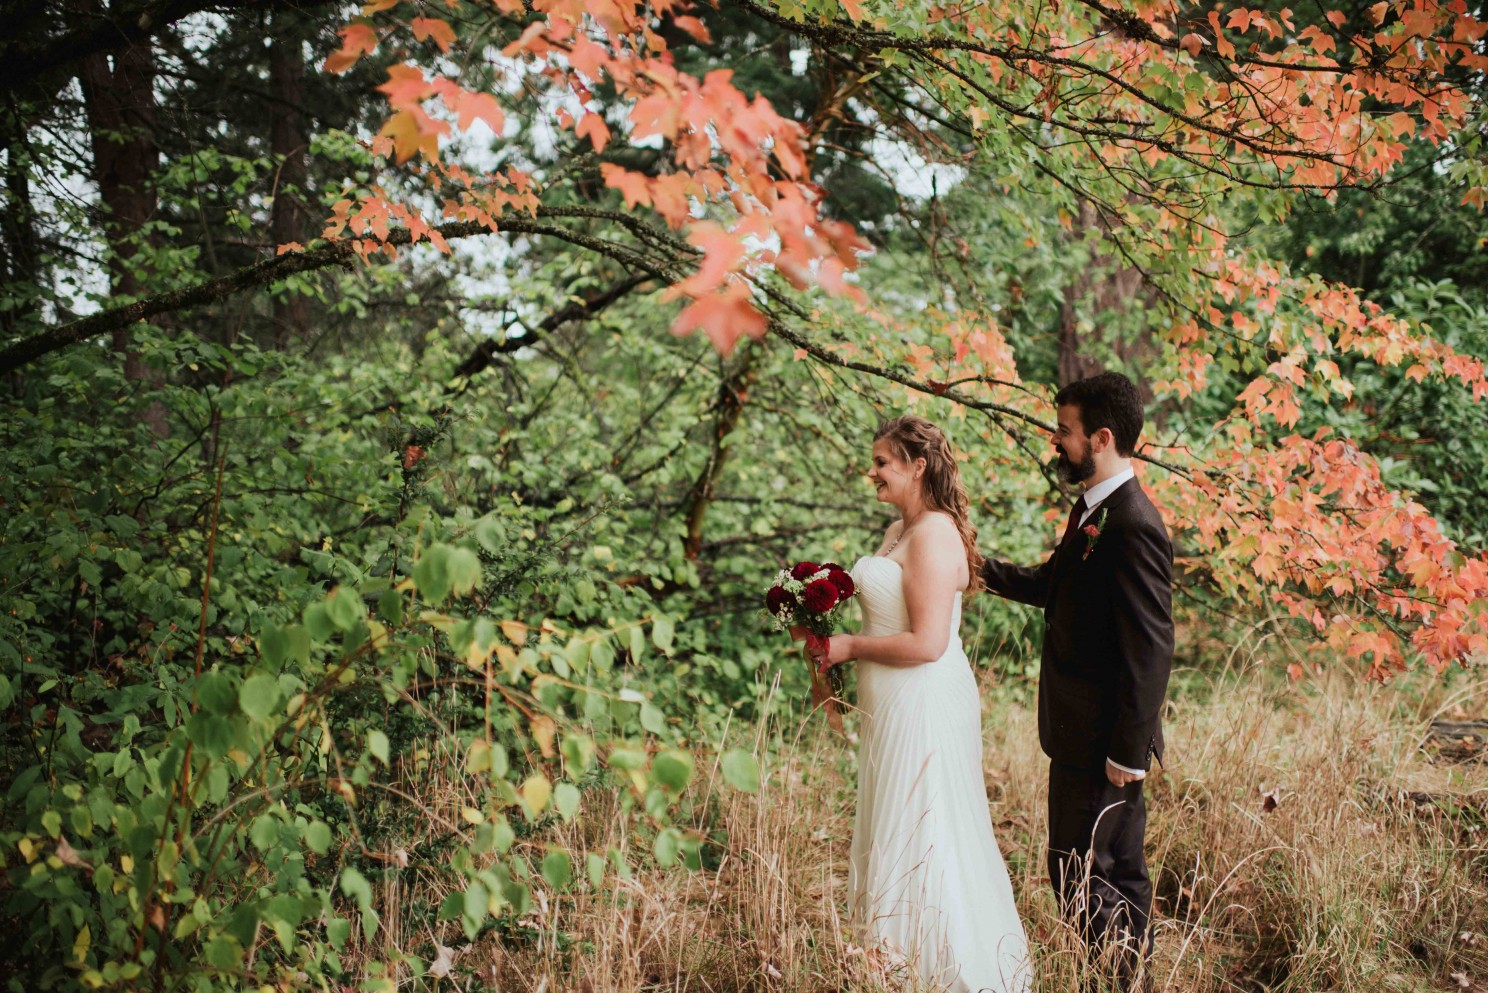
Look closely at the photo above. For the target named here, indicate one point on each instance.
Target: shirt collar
(1105, 488)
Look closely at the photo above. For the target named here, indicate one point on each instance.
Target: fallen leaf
(69, 856)
(444, 958)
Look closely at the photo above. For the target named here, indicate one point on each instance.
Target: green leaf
(431, 573)
(577, 653)
(217, 693)
(377, 744)
(225, 953)
(390, 607)
(740, 770)
(502, 835)
(596, 867)
(578, 752)
(672, 770)
(259, 696)
(273, 646)
(566, 800)
(602, 654)
(452, 907)
(489, 535)
(627, 758)
(652, 719)
(264, 832)
(663, 631)
(464, 570)
(299, 643)
(317, 835)
(338, 929)
(557, 868)
(318, 623)
(477, 898)
(345, 608)
(211, 733)
(667, 847)
(355, 885)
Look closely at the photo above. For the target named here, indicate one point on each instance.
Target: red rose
(820, 596)
(778, 598)
(803, 570)
(1091, 530)
(840, 579)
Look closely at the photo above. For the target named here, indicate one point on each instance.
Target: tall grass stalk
(1299, 838)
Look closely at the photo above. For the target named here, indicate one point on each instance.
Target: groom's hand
(1121, 777)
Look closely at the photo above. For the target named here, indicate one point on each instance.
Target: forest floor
(1303, 836)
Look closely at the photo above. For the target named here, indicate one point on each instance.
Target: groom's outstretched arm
(1143, 602)
(1026, 584)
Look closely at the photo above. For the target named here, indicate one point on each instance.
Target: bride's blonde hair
(912, 437)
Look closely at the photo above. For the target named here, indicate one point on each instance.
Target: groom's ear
(1102, 439)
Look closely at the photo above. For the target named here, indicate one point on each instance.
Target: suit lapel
(1065, 555)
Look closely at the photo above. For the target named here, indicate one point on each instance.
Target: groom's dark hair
(1109, 400)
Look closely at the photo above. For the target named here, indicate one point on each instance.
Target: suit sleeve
(1143, 602)
(1025, 584)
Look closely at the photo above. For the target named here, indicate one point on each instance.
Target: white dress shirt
(1093, 499)
(1098, 493)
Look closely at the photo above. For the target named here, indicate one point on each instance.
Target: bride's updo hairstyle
(912, 437)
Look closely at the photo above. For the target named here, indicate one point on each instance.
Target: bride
(927, 884)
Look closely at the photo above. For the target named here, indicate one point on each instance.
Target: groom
(1108, 648)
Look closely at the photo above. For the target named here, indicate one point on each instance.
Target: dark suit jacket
(1108, 634)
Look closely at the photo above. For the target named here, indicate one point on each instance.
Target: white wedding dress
(927, 884)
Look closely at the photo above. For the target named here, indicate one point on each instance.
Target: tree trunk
(289, 145)
(1104, 286)
(120, 103)
(728, 409)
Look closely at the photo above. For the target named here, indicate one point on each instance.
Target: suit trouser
(1094, 823)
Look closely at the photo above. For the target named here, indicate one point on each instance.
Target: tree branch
(485, 353)
(336, 253)
(21, 63)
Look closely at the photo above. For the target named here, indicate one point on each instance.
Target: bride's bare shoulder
(934, 534)
(940, 526)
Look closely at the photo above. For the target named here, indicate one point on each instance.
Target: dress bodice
(880, 583)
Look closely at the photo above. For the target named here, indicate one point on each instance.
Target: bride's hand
(839, 650)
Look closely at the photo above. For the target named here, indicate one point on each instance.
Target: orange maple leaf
(357, 39)
(593, 127)
(470, 107)
(406, 87)
(632, 185)
(412, 132)
(694, 27)
(724, 317)
(425, 28)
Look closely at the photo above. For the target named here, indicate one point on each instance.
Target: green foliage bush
(212, 772)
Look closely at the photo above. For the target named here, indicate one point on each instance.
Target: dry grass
(1292, 842)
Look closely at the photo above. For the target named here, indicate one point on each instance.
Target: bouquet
(806, 600)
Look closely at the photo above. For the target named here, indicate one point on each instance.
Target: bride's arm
(934, 570)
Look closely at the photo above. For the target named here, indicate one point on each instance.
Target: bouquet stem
(826, 687)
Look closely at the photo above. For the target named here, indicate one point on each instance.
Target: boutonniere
(1093, 532)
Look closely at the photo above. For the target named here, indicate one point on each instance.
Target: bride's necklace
(902, 532)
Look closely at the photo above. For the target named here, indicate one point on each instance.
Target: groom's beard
(1073, 473)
